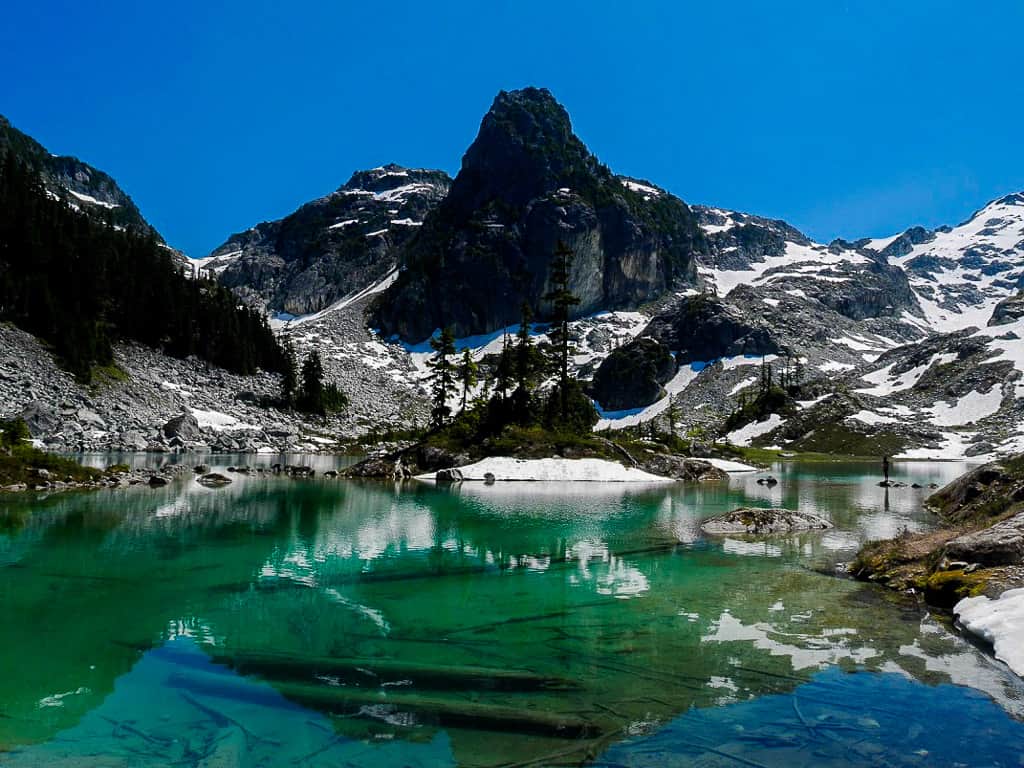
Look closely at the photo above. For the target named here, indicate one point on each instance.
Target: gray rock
(680, 467)
(184, 426)
(755, 520)
(213, 480)
(90, 418)
(41, 419)
(1001, 544)
(450, 475)
(133, 440)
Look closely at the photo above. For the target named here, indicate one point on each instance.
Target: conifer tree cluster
(81, 284)
(519, 380)
(306, 390)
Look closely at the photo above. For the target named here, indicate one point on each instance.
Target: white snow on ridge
(381, 285)
(90, 199)
(805, 260)
(556, 470)
(345, 223)
(991, 237)
(646, 190)
(999, 621)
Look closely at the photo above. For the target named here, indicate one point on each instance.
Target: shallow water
(325, 622)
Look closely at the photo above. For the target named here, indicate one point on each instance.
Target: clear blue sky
(845, 118)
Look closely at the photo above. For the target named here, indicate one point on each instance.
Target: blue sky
(844, 118)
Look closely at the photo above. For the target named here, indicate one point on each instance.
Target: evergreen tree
(562, 301)
(311, 399)
(289, 376)
(673, 414)
(80, 284)
(442, 375)
(528, 366)
(505, 370)
(467, 373)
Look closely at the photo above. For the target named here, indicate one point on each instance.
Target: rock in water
(213, 480)
(157, 481)
(755, 520)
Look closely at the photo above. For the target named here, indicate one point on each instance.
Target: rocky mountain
(79, 184)
(332, 247)
(909, 345)
(526, 183)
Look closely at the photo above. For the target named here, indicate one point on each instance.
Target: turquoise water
(325, 622)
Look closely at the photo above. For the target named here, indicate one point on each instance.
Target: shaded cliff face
(331, 247)
(80, 185)
(527, 182)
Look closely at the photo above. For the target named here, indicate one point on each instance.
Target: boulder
(158, 481)
(200, 469)
(184, 426)
(41, 419)
(430, 458)
(1001, 544)
(450, 475)
(632, 376)
(90, 418)
(213, 480)
(132, 440)
(755, 520)
(680, 467)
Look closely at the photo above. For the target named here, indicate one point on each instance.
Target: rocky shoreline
(978, 550)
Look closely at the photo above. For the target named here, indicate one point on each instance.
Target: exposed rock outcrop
(526, 183)
(332, 247)
(758, 521)
(633, 375)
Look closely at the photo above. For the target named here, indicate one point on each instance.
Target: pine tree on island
(562, 301)
(467, 373)
(443, 372)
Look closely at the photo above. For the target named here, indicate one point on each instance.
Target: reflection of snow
(823, 651)
(762, 548)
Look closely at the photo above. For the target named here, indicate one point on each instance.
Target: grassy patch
(840, 439)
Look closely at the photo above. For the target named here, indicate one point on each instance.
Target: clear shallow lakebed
(324, 622)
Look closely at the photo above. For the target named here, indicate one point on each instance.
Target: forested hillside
(81, 283)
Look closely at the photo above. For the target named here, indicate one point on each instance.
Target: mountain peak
(392, 176)
(525, 148)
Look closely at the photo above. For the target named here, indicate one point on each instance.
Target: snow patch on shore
(555, 470)
(1000, 621)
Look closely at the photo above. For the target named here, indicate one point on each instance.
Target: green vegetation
(20, 462)
(518, 407)
(315, 396)
(81, 284)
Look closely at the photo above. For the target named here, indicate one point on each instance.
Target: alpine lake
(326, 622)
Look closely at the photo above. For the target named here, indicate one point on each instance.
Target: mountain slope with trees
(81, 284)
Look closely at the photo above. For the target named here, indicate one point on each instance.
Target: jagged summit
(526, 182)
(331, 247)
(391, 177)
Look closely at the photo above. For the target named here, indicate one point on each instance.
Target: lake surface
(325, 622)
